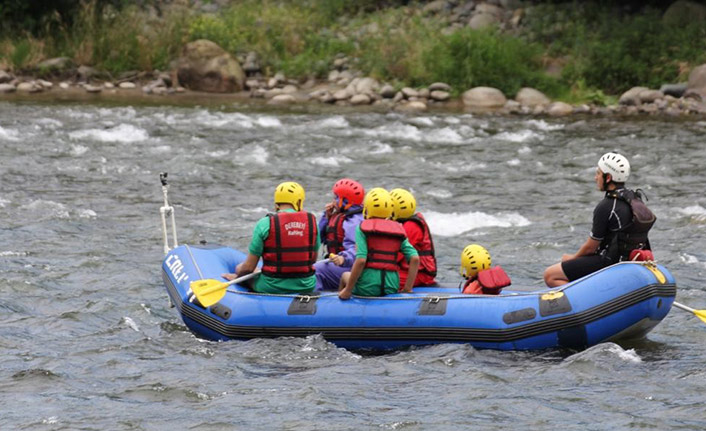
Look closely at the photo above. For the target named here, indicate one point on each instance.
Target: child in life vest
(481, 278)
(419, 236)
(378, 240)
(337, 227)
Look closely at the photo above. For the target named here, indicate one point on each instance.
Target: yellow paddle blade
(208, 291)
(701, 314)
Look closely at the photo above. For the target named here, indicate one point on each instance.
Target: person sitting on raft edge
(480, 277)
(621, 222)
(404, 207)
(378, 240)
(337, 226)
(288, 241)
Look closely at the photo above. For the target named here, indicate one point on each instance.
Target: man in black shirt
(610, 216)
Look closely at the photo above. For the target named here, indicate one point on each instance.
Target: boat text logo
(176, 266)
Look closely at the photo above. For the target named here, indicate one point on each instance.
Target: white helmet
(616, 165)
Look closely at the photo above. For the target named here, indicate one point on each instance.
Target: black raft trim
(435, 334)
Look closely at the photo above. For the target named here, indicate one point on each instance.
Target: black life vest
(425, 248)
(384, 240)
(334, 230)
(634, 235)
(290, 248)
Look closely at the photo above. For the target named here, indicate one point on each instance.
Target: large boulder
(205, 66)
(697, 77)
(632, 96)
(684, 12)
(484, 98)
(531, 97)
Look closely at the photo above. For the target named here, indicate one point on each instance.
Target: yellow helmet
(290, 192)
(377, 203)
(474, 258)
(403, 204)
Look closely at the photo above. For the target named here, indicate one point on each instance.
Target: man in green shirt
(288, 242)
(378, 241)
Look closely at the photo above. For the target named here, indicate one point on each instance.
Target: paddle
(209, 291)
(701, 314)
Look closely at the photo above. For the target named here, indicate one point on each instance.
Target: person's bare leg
(344, 280)
(554, 276)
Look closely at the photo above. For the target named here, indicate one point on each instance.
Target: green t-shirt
(267, 284)
(370, 281)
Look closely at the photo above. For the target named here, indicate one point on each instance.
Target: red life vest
(334, 230)
(488, 282)
(425, 248)
(384, 240)
(289, 250)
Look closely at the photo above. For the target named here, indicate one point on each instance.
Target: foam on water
(381, 148)
(521, 136)
(47, 208)
(440, 193)
(10, 253)
(399, 131)
(524, 150)
(514, 162)
(421, 121)
(251, 154)
(130, 324)
(600, 352)
(444, 135)
(87, 213)
(543, 125)
(457, 167)
(217, 154)
(695, 211)
(452, 224)
(332, 161)
(335, 122)
(160, 149)
(3, 202)
(267, 121)
(9, 134)
(123, 133)
(78, 150)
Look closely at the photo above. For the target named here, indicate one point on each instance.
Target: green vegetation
(603, 51)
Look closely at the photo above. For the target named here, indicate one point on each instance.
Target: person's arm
(356, 270)
(349, 229)
(588, 248)
(245, 267)
(411, 274)
(410, 253)
(599, 229)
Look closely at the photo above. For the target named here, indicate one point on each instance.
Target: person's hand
(405, 290)
(345, 293)
(337, 259)
(566, 257)
(329, 209)
(229, 277)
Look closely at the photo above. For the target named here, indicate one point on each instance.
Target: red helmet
(348, 192)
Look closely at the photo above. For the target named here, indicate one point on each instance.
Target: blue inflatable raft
(622, 301)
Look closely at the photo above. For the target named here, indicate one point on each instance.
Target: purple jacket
(349, 225)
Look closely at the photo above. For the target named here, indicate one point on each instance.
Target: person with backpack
(337, 225)
(418, 234)
(378, 241)
(621, 222)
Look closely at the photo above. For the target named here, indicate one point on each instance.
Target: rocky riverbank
(205, 67)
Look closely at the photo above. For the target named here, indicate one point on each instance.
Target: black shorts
(584, 265)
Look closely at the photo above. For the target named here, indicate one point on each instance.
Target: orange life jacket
(488, 282)
(384, 240)
(289, 250)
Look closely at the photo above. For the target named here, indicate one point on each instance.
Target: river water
(88, 341)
